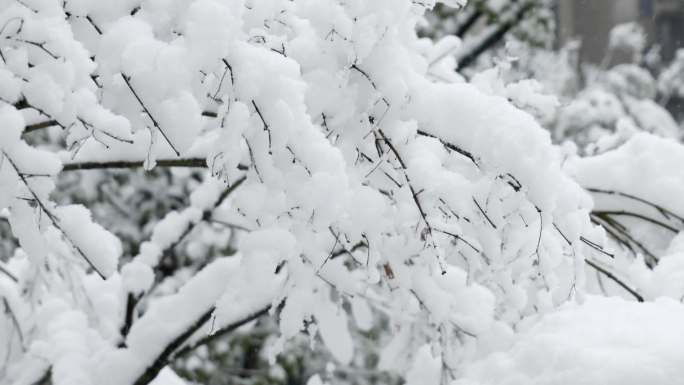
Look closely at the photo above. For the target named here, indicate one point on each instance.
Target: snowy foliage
(332, 174)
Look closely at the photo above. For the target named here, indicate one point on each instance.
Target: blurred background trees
(614, 67)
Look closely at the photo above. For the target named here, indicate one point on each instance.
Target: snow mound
(607, 341)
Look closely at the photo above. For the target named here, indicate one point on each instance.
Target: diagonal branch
(267, 128)
(221, 332)
(468, 23)
(9, 275)
(167, 355)
(615, 279)
(163, 358)
(414, 193)
(484, 213)
(451, 146)
(149, 114)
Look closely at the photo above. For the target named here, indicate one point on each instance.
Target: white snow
(606, 341)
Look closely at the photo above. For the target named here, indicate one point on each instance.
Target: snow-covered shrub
(337, 185)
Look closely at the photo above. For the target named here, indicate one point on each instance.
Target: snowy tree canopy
(173, 171)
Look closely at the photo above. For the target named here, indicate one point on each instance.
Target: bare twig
(636, 215)
(621, 229)
(615, 279)
(451, 146)
(459, 238)
(662, 210)
(267, 128)
(484, 213)
(149, 114)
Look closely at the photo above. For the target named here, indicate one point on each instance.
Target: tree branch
(41, 125)
(131, 302)
(615, 279)
(129, 164)
(221, 332)
(149, 114)
(9, 275)
(662, 210)
(451, 146)
(468, 23)
(162, 360)
(414, 193)
(636, 215)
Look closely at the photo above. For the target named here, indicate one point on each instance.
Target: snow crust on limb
(102, 247)
(166, 319)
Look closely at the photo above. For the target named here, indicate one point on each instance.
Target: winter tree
(307, 191)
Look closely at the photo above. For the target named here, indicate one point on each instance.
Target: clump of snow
(628, 36)
(101, 248)
(137, 277)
